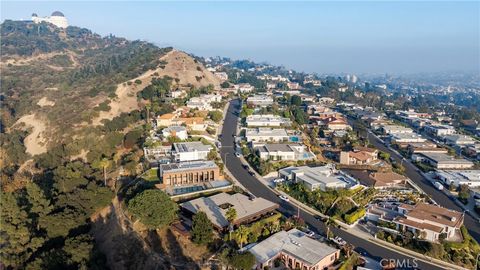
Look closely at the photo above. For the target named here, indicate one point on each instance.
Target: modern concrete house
(188, 151)
(284, 151)
(313, 178)
(266, 135)
(189, 173)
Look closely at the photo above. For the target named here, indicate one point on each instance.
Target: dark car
(252, 173)
(245, 167)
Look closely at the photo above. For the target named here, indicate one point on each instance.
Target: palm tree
(330, 221)
(231, 215)
(242, 235)
(104, 163)
(347, 248)
(147, 107)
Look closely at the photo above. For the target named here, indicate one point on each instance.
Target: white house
(260, 100)
(266, 120)
(313, 178)
(175, 131)
(284, 151)
(266, 135)
(456, 178)
(188, 151)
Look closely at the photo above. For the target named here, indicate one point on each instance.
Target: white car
(310, 233)
(283, 197)
(237, 154)
(278, 180)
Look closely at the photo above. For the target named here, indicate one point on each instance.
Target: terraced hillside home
(296, 250)
(216, 207)
(188, 173)
(179, 132)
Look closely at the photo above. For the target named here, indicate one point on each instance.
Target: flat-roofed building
(260, 100)
(456, 178)
(175, 131)
(396, 129)
(443, 161)
(188, 173)
(295, 249)
(439, 130)
(284, 151)
(267, 120)
(322, 177)
(401, 138)
(188, 151)
(266, 135)
(428, 221)
(216, 207)
(459, 139)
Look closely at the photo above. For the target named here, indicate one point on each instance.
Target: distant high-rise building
(354, 79)
(57, 18)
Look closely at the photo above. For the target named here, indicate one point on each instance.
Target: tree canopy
(153, 208)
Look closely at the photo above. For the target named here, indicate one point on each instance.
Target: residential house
(313, 178)
(439, 130)
(267, 120)
(384, 180)
(442, 161)
(359, 156)
(188, 151)
(188, 173)
(284, 151)
(429, 222)
(216, 206)
(471, 178)
(296, 250)
(404, 138)
(260, 100)
(266, 135)
(175, 131)
(459, 140)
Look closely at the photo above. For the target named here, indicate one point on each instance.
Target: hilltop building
(57, 18)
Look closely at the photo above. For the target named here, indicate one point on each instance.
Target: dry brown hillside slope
(180, 66)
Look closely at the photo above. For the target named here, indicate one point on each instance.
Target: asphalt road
(258, 189)
(438, 196)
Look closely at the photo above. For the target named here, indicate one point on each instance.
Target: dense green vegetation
(153, 208)
(202, 229)
(49, 218)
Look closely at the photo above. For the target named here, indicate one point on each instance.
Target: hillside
(59, 84)
(72, 125)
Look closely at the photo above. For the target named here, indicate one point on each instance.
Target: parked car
(438, 185)
(278, 180)
(283, 197)
(237, 154)
(310, 233)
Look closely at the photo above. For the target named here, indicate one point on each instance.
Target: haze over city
(322, 37)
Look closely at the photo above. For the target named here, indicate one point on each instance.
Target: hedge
(351, 218)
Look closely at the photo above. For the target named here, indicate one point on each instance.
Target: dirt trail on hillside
(35, 142)
(179, 65)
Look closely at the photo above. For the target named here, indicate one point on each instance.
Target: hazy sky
(323, 37)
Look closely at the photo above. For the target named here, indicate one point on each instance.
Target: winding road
(258, 189)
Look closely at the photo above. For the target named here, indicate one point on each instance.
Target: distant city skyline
(322, 37)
